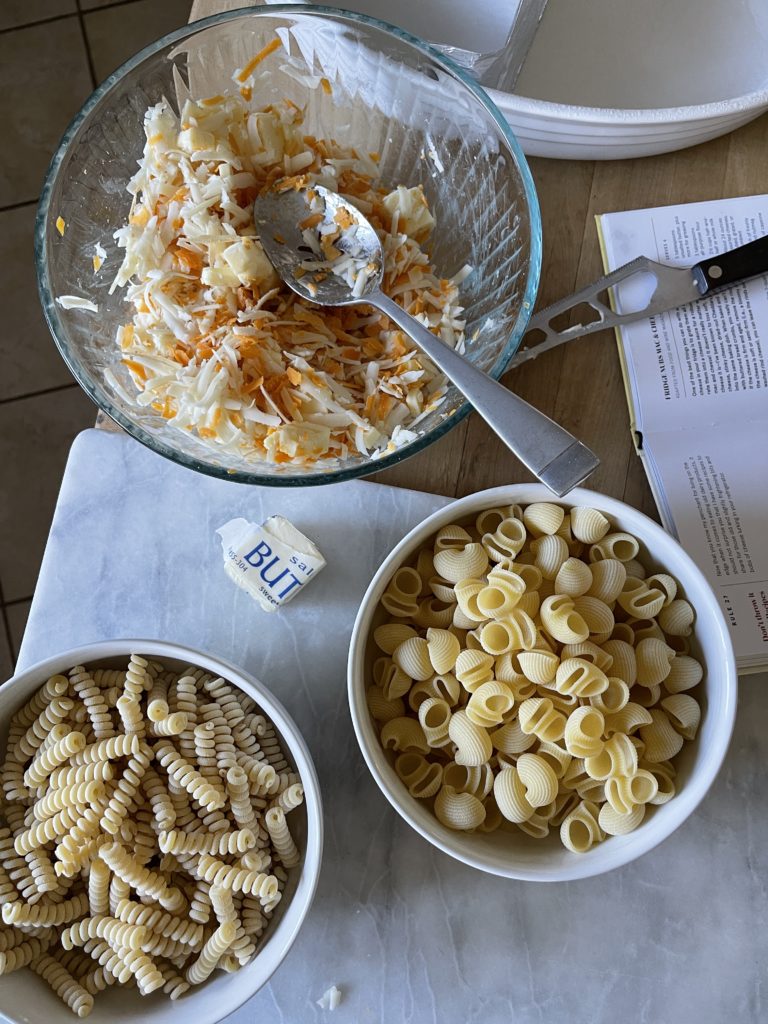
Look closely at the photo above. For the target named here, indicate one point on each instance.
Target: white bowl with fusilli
(161, 827)
(543, 689)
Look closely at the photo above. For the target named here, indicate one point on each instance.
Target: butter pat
(272, 562)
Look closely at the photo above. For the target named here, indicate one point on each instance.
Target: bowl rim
(94, 388)
(391, 786)
(633, 117)
(299, 751)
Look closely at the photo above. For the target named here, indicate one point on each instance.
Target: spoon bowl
(326, 251)
(279, 215)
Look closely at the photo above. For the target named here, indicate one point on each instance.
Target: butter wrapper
(272, 562)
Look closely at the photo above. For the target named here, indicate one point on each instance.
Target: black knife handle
(727, 268)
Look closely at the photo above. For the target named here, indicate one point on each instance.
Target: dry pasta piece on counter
(113, 831)
(545, 684)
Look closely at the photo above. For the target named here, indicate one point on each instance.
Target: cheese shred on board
(219, 346)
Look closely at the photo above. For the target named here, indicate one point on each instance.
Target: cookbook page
(715, 487)
(707, 362)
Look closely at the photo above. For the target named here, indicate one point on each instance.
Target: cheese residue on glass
(219, 346)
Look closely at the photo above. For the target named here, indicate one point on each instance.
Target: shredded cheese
(218, 345)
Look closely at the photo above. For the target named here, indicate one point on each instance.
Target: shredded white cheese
(218, 345)
(76, 302)
(330, 999)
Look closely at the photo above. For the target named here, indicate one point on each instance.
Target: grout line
(37, 394)
(18, 206)
(88, 54)
(34, 24)
(105, 7)
(17, 600)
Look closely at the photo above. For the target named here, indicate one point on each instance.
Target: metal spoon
(552, 454)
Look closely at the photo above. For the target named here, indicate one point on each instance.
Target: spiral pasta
(63, 984)
(160, 922)
(218, 843)
(22, 955)
(92, 698)
(123, 796)
(88, 815)
(183, 773)
(217, 872)
(55, 711)
(116, 933)
(49, 758)
(280, 836)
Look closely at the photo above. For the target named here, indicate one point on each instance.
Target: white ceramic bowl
(25, 998)
(612, 79)
(518, 856)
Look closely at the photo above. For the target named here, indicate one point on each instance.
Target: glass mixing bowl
(391, 94)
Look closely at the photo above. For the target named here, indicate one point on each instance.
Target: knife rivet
(715, 271)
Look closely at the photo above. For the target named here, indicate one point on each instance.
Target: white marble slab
(409, 935)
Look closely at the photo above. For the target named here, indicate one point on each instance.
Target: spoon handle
(553, 455)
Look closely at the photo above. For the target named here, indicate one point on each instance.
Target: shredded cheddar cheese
(218, 345)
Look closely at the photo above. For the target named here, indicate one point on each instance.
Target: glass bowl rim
(93, 387)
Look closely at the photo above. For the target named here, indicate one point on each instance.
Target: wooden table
(581, 385)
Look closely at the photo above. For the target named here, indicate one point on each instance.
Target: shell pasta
(129, 854)
(545, 686)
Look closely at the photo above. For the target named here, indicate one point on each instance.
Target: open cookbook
(697, 386)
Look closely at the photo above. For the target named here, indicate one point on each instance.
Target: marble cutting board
(408, 934)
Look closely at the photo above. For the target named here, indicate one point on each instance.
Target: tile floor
(52, 54)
